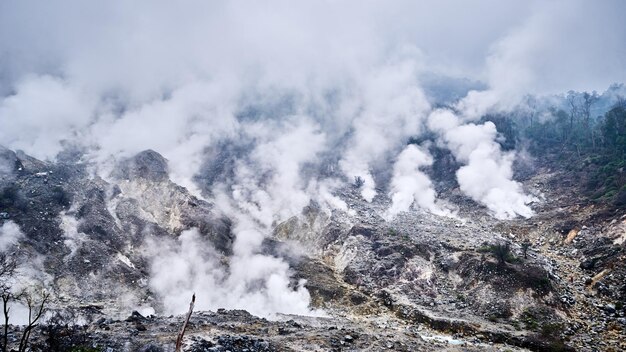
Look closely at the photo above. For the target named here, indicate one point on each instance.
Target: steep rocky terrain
(555, 281)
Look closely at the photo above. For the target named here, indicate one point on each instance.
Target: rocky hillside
(555, 281)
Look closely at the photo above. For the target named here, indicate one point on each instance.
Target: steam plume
(331, 88)
(409, 184)
(255, 282)
(487, 174)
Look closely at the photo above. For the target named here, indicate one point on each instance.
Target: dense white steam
(44, 112)
(308, 94)
(487, 174)
(268, 186)
(254, 282)
(10, 234)
(409, 184)
(391, 109)
(266, 189)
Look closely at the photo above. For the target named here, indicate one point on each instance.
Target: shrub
(525, 247)
(501, 251)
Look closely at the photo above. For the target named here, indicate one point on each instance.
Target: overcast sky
(98, 72)
(146, 46)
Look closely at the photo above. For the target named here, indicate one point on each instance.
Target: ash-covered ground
(420, 281)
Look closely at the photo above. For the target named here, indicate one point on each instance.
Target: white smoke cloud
(322, 193)
(180, 127)
(7, 164)
(10, 234)
(179, 78)
(268, 186)
(266, 189)
(100, 77)
(6, 169)
(487, 174)
(392, 108)
(44, 112)
(254, 282)
(559, 46)
(487, 177)
(73, 238)
(409, 184)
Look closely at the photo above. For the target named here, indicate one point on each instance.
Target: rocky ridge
(418, 282)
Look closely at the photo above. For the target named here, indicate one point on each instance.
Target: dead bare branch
(179, 340)
(35, 311)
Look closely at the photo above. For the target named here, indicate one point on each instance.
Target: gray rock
(609, 308)
(148, 165)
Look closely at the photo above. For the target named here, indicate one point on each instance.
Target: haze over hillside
(254, 153)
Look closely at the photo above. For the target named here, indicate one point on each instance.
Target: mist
(410, 184)
(10, 233)
(254, 282)
(311, 95)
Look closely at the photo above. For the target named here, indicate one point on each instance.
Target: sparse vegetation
(501, 251)
(525, 247)
(7, 272)
(34, 299)
(591, 146)
(547, 330)
(529, 320)
(85, 349)
(551, 329)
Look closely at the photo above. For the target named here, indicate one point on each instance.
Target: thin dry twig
(179, 340)
(34, 313)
